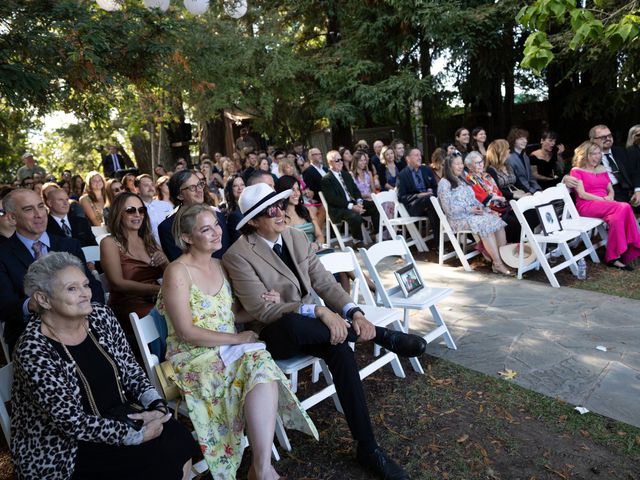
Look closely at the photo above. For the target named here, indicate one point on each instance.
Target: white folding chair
(101, 237)
(539, 242)
(146, 332)
(6, 379)
(341, 238)
(572, 220)
(91, 253)
(407, 223)
(459, 240)
(97, 231)
(427, 297)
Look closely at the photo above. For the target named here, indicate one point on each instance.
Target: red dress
(624, 238)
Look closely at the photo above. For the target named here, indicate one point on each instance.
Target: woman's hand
(271, 296)
(158, 259)
(248, 336)
(477, 210)
(152, 423)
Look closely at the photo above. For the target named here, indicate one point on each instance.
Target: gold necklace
(83, 379)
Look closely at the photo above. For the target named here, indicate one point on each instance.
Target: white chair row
(573, 225)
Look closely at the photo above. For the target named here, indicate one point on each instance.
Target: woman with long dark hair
(296, 214)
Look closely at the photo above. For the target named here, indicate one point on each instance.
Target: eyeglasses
(479, 162)
(273, 210)
(132, 210)
(604, 137)
(2, 212)
(192, 188)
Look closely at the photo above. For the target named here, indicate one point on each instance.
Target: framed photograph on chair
(548, 219)
(409, 280)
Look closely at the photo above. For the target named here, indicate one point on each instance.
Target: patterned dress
(457, 203)
(215, 393)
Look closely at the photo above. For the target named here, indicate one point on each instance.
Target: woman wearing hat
(230, 382)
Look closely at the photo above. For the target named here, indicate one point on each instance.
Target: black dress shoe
(384, 467)
(403, 344)
(626, 268)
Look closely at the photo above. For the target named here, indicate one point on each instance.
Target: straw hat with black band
(255, 199)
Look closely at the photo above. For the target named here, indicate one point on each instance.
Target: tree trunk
(142, 152)
(212, 136)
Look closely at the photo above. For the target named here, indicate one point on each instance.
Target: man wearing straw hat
(271, 256)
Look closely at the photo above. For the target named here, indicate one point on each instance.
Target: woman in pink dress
(595, 199)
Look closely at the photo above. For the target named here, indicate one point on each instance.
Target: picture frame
(549, 220)
(409, 280)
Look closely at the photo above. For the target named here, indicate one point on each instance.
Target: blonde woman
(94, 198)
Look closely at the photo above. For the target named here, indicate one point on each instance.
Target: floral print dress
(215, 393)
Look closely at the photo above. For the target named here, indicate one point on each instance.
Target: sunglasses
(133, 210)
(337, 160)
(2, 212)
(272, 210)
(192, 188)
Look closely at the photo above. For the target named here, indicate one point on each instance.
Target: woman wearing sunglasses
(131, 259)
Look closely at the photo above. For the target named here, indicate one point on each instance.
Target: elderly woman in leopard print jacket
(75, 380)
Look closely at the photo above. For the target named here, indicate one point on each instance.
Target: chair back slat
(146, 332)
(6, 380)
(346, 261)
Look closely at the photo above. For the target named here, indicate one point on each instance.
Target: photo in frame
(548, 219)
(409, 280)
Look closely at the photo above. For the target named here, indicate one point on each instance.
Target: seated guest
(74, 380)
(27, 212)
(595, 198)
(344, 200)
(232, 191)
(416, 184)
(131, 259)
(94, 198)
(114, 188)
(223, 392)
(313, 174)
(519, 161)
(478, 140)
(273, 257)
(297, 215)
(263, 164)
(6, 228)
(185, 188)
(157, 210)
(129, 183)
(389, 175)
(464, 212)
(162, 189)
(462, 141)
(547, 164)
(437, 162)
(77, 187)
(362, 175)
(62, 222)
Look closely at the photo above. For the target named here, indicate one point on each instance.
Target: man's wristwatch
(353, 311)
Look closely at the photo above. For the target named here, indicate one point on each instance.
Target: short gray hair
(42, 273)
(185, 222)
(471, 158)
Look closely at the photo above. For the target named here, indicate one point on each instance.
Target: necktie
(65, 228)
(37, 249)
(417, 178)
(612, 163)
(116, 164)
(278, 249)
(344, 186)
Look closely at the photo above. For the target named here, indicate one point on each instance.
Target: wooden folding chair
(393, 297)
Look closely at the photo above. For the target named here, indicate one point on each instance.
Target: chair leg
(281, 435)
(329, 379)
(442, 328)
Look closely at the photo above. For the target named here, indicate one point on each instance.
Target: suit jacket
(334, 193)
(407, 191)
(255, 268)
(80, 230)
(14, 262)
(313, 180)
(629, 176)
(169, 246)
(107, 164)
(633, 164)
(524, 177)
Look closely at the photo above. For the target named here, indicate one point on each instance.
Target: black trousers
(422, 207)
(295, 334)
(623, 195)
(354, 220)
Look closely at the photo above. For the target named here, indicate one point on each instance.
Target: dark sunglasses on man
(272, 210)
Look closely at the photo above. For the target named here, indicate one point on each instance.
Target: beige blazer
(254, 268)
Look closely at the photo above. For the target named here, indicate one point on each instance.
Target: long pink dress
(624, 237)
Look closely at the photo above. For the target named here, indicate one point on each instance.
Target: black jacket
(80, 230)
(407, 191)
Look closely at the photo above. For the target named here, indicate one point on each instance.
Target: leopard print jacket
(47, 417)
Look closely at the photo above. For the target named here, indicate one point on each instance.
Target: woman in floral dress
(228, 379)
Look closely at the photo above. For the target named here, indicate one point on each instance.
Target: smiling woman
(131, 259)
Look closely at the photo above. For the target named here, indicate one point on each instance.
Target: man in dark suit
(312, 176)
(344, 200)
(271, 256)
(62, 223)
(113, 162)
(416, 184)
(185, 188)
(29, 214)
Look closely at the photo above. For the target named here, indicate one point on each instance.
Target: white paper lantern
(197, 7)
(109, 5)
(163, 5)
(235, 8)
